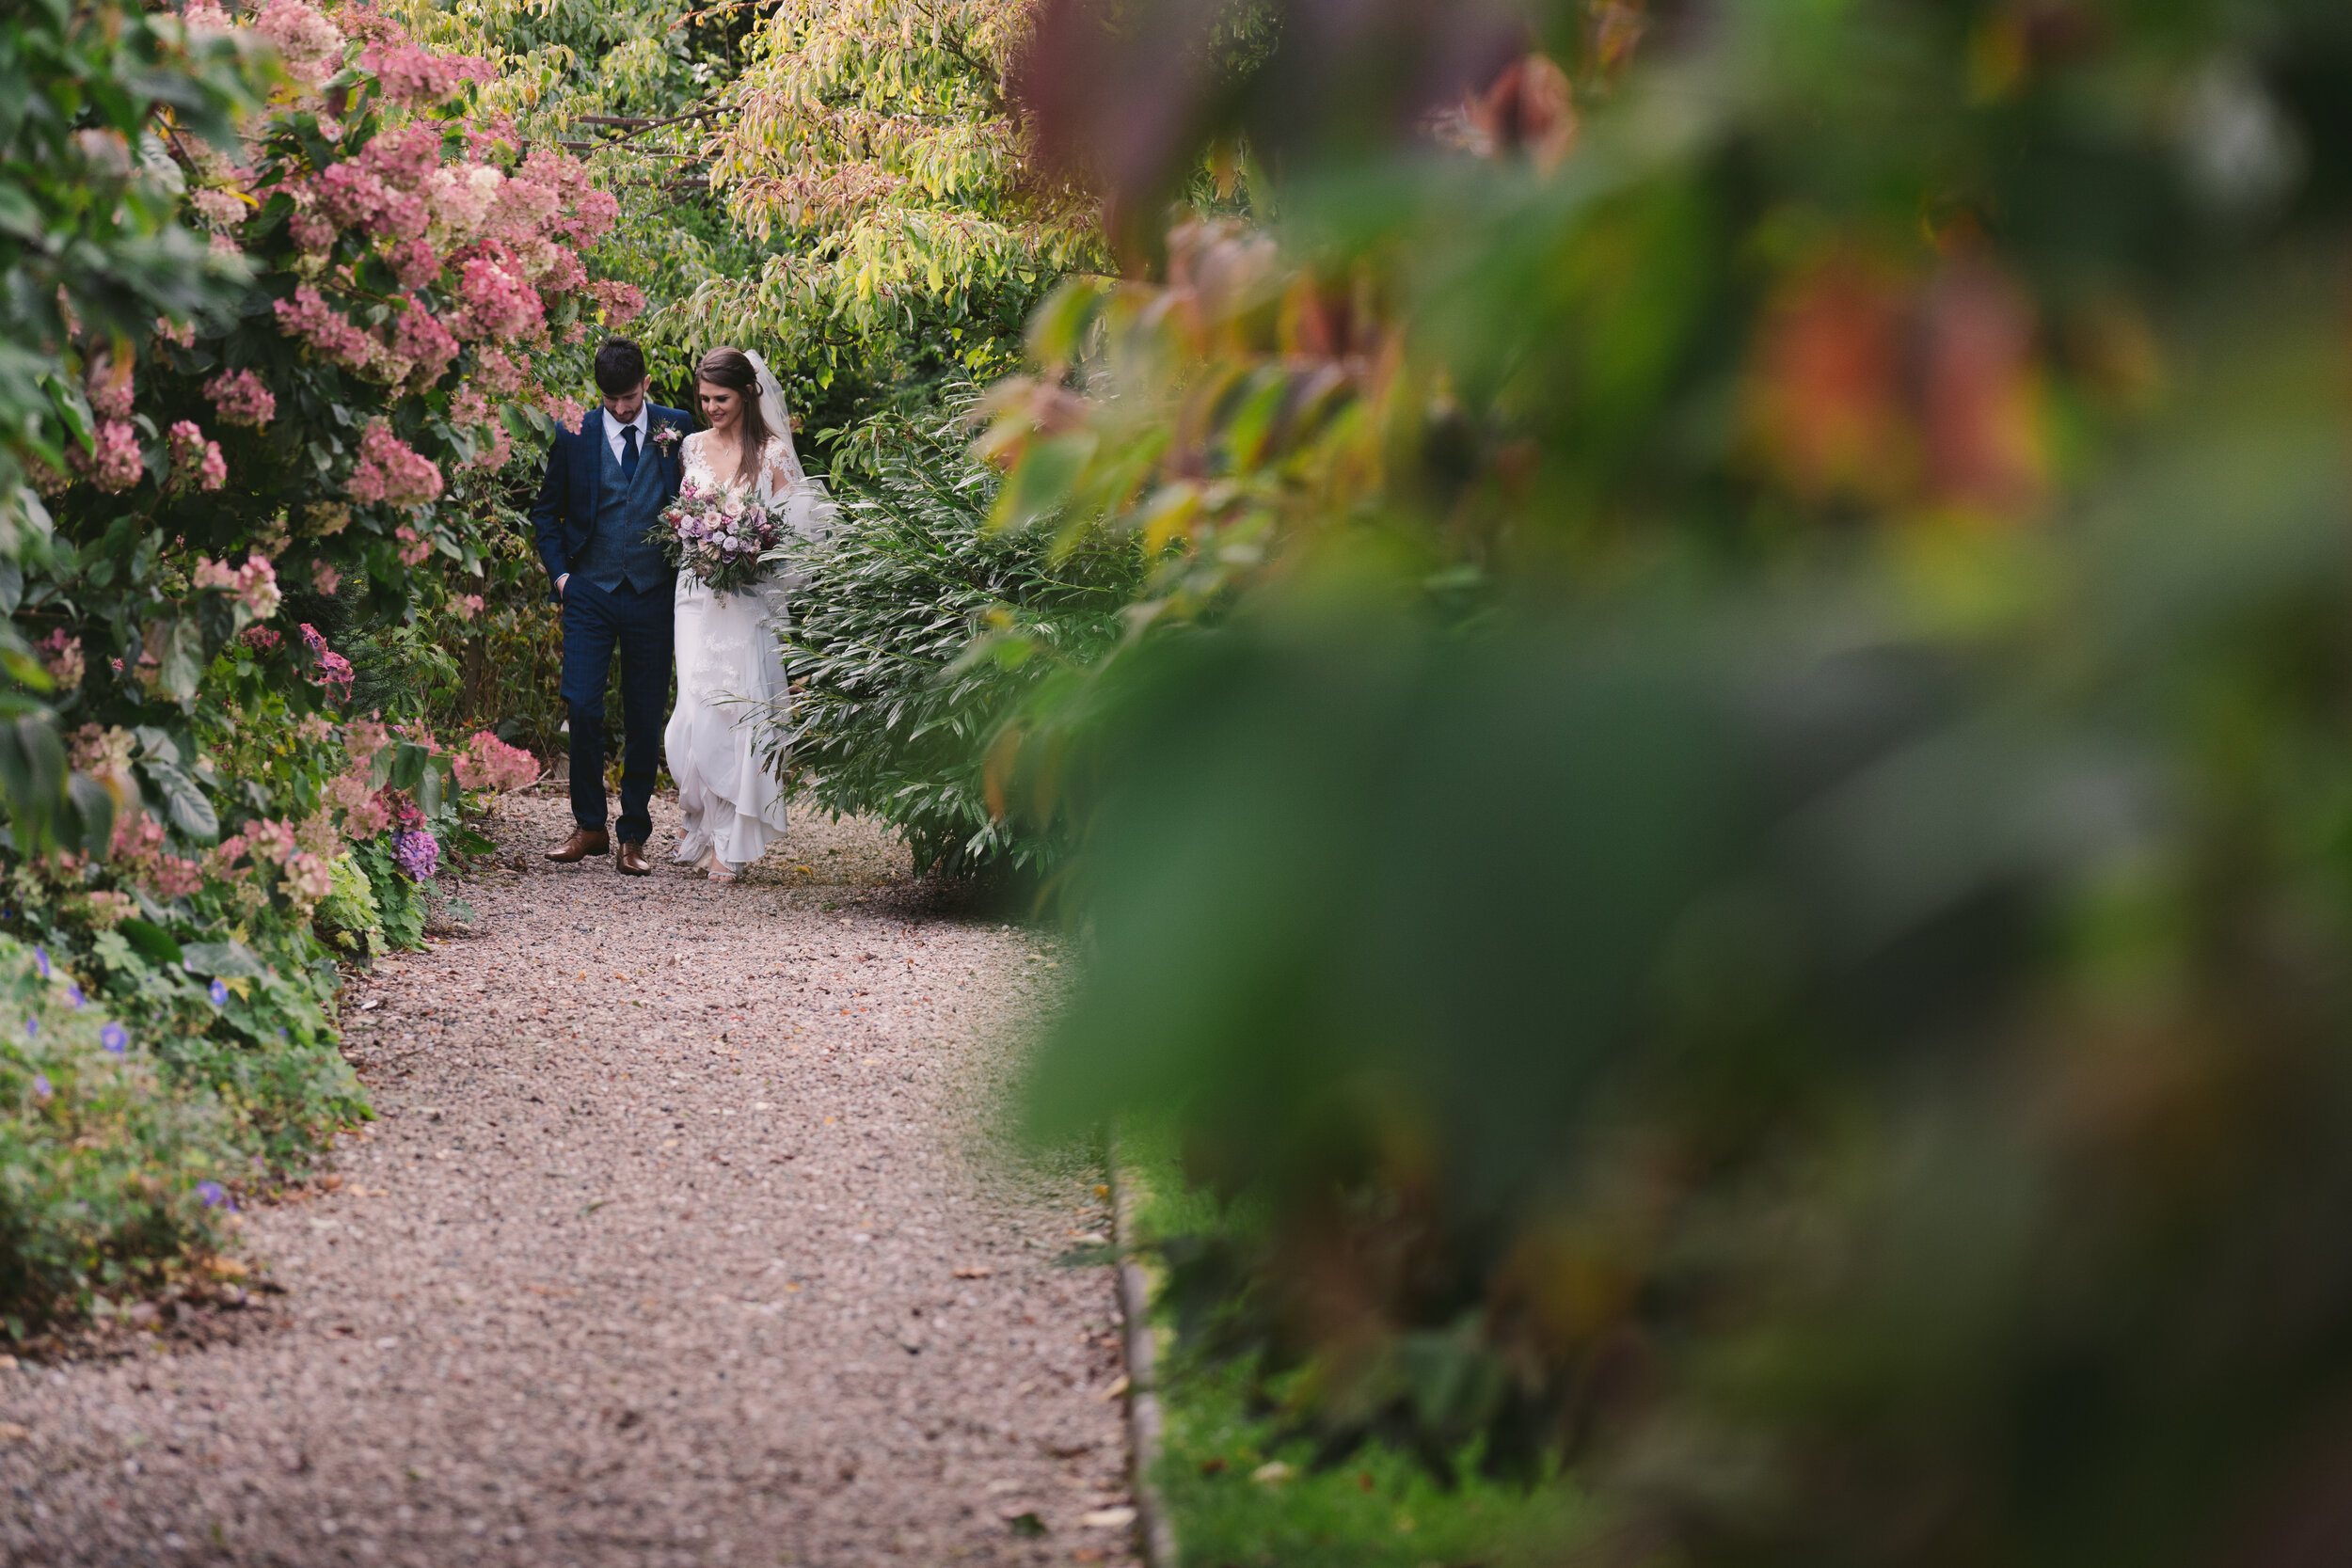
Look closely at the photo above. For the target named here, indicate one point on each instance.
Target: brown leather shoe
(629, 859)
(584, 842)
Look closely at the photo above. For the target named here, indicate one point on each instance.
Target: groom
(605, 487)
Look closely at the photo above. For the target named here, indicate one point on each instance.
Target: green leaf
(229, 961)
(191, 812)
(152, 941)
(181, 657)
(1043, 479)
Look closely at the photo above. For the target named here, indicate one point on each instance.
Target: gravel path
(678, 1242)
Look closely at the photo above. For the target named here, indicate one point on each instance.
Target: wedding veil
(807, 509)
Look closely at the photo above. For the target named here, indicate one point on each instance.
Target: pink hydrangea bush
(119, 464)
(195, 461)
(241, 398)
(61, 656)
(389, 471)
(488, 762)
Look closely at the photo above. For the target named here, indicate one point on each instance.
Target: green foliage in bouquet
(922, 632)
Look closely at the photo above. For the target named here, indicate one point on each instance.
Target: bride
(730, 667)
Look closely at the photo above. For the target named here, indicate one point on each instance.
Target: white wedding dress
(732, 696)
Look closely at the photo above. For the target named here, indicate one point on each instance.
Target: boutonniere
(667, 437)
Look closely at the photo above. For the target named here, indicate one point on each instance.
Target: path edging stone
(1145, 1420)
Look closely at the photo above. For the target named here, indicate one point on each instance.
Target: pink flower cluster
(379, 192)
(119, 464)
(309, 878)
(466, 606)
(364, 816)
(195, 460)
(334, 669)
(221, 209)
(309, 317)
(495, 298)
(63, 659)
(241, 398)
(312, 230)
(593, 211)
(310, 44)
(407, 74)
(622, 302)
(470, 408)
(301, 850)
(422, 344)
(389, 471)
(364, 737)
(138, 853)
(255, 584)
(489, 763)
(415, 262)
(496, 372)
(414, 546)
(110, 388)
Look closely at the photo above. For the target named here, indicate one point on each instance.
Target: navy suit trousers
(596, 622)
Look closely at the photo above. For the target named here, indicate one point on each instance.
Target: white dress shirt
(612, 429)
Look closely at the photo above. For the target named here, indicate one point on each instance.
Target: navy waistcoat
(619, 546)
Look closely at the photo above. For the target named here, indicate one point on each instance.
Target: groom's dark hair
(620, 365)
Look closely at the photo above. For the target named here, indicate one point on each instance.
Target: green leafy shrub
(923, 632)
(348, 917)
(108, 1178)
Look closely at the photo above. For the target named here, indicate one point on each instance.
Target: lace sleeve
(779, 471)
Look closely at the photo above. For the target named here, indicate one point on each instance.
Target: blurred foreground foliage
(1731, 810)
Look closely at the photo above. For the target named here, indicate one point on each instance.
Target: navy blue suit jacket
(566, 508)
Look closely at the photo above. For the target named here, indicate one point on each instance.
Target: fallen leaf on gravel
(12, 1432)
(1026, 1523)
(1118, 1386)
(974, 1271)
(225, 1268)
(1109, 1518)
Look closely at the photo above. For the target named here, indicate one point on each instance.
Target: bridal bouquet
(718, 535)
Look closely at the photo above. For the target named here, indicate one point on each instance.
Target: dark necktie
(628, 452)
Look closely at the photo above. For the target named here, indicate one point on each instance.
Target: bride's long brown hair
(731, 368)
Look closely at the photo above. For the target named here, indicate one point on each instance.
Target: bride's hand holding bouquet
(719, 535)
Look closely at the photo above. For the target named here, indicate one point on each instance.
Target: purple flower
(418, 852)
(73, 993)
(212, 1192)
(218, 992)
(114, 1036)
(32, 1027)
(40, 1087)
(40, 961)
